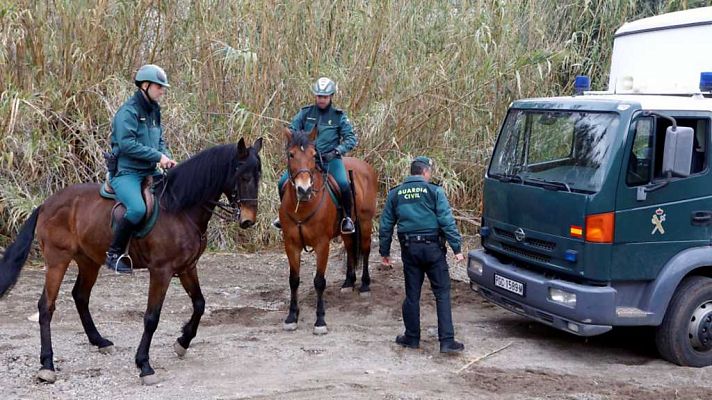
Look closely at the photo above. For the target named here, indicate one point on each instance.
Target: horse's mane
(199, 179)
(300, 139)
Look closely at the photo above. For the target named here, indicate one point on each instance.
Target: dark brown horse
(73, 224)
(310, 218)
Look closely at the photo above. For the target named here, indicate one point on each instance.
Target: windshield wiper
(509, 178)
(551, 184)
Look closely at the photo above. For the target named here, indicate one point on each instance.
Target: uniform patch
(412, 193)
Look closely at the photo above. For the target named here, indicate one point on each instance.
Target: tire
(684, 337)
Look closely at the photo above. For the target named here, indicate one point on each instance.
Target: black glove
(330, 155)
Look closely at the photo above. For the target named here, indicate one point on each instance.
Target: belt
(415, 237)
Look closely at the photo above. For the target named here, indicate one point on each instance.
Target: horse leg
(322, 257)
(157, 288)
(88, 271)
(365, 289)
(190, 283)
(56, 268)
(350, 280)
(294, 256)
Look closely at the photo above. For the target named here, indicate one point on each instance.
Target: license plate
(509, 285)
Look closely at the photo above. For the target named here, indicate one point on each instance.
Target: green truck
(597, 207)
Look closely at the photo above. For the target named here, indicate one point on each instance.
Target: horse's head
(301, 161)
(241, 189)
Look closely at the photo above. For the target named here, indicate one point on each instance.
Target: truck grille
(542, 244)
(526, 253)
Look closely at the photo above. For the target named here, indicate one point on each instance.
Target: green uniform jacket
(334, 132)
(137, 136)
(417, 207)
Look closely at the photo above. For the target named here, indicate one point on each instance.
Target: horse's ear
(312, 134)
(287, 133)
(257, 145)
(241, 149)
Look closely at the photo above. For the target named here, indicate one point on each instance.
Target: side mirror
(677, 156)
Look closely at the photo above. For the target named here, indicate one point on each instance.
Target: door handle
(702, 217)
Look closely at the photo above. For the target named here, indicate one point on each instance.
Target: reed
(426, 77)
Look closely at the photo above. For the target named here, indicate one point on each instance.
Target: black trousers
(421, 259)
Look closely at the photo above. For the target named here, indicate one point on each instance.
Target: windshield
(561, 150)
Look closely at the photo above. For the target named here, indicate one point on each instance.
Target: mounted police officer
(422, 213)
(335, 138)
(138, 145)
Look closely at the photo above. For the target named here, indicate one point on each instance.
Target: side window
(699, 151)
(646, 156)
(641, 154)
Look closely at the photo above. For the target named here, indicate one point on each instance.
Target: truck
(597, 206)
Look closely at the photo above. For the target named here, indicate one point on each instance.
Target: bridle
(309, 171)
(231, 210)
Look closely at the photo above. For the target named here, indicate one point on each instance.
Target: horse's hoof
(180, 350)
(320, 330)
(149, 380)
(47, 375)
(347, 289)
(365, 294)
(292, 326)
(107, 349)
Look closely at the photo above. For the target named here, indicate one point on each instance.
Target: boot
(451, 346)
(347, 225)
(276, 224)
(115, 260)
(405, 341)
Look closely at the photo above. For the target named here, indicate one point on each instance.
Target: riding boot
(276, 222)
(115, 259)
(347, 225)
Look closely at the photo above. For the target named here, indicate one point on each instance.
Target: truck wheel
(685, 336)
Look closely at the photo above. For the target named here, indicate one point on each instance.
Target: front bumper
(593, 314)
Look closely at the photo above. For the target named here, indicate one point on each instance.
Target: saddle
(119, 210)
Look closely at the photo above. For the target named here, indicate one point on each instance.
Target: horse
(74, 224)
(308, 218)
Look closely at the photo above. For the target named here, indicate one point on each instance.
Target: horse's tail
(15, 256)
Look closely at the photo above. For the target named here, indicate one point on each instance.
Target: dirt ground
(242, 352)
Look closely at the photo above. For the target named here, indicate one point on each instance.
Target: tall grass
(427, 77)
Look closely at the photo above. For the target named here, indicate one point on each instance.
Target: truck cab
(598, 206)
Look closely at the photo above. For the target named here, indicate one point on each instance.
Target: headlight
(562, 297)
(474, 266)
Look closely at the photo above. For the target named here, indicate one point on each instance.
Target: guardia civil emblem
(657, 221)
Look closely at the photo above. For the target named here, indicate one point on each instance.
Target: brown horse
(310, 218)
(73, 224)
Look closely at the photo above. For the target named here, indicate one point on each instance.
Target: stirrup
(115, 267)
(345, 232)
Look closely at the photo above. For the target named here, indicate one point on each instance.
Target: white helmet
(324, 87)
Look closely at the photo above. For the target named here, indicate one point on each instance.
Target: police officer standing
(422, 213)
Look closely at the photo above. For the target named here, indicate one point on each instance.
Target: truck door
(656, 217)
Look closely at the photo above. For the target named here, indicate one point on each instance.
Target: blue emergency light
(582, 83)
(706, 81)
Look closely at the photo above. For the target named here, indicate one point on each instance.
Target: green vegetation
(427, 77)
